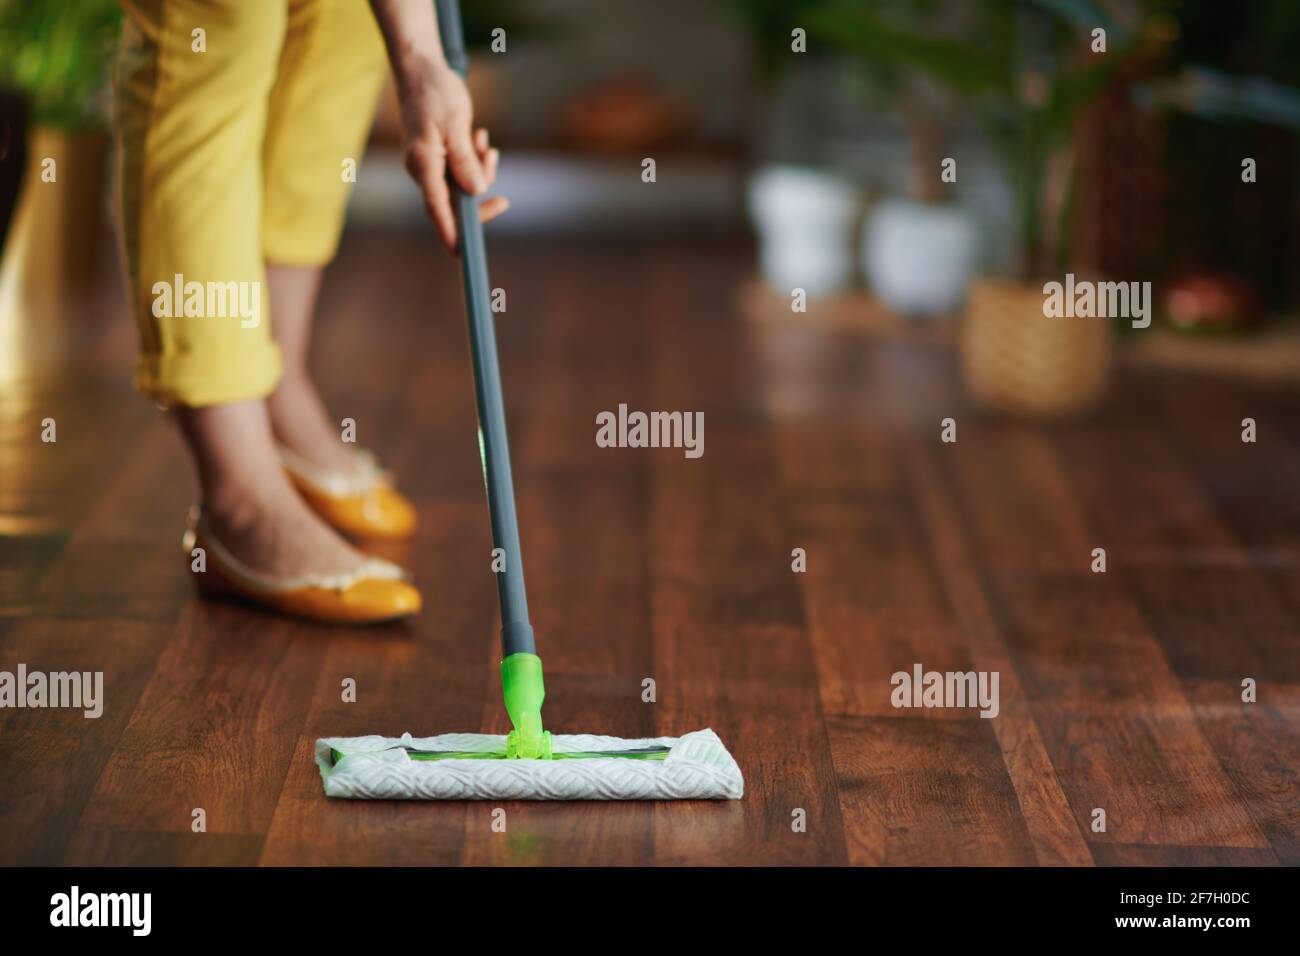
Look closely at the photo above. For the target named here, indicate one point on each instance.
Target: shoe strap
(200, 535)
(337, 484)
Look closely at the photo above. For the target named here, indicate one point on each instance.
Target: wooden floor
(1119, 691)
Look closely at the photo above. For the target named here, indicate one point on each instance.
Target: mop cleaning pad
(695, 767)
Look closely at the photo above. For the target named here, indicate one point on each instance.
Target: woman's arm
(437, 115)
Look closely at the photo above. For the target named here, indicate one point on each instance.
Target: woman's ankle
(235, 505)
(300, 422)
(233, 451)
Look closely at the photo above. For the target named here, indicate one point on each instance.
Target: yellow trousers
(239, 126)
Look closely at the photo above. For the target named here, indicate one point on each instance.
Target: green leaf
(967, 67)
(1082, 14)
(58, 54)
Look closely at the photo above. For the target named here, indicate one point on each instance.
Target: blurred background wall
(1107, 138)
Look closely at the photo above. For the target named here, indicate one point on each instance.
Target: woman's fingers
(464, 160)
(492, 207)
(427, 164)
(487, 156)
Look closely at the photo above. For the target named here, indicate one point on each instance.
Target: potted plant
(1026, 70)
(804, 212)
(805, 218)
(919, 250)
(56, 57)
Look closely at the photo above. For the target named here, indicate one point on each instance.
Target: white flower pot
(805, 220)
(919, 258)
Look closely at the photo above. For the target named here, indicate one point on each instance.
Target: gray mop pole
(516, 632)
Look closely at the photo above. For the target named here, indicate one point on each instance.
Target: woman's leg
(299, 420)
(319, 115)
(250, 505)
(190, 119)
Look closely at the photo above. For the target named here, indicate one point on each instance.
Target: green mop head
(528, 764)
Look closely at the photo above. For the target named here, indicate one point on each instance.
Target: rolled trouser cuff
(209, 377)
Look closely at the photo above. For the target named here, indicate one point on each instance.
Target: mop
(528, 763)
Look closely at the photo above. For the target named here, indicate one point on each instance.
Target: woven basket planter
(1017, 360)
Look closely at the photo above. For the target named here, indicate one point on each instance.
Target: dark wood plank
(731, 646)
(53, 757)
(116, 847)
(68, 621)
(874, 600)
(927, 792)
(214, 729)
(1170, 546)
(1176, 534)
(121, 559)
(920, 396)
(1260, 752)
(1128, 854)
(1130, 744)
(1052, 824)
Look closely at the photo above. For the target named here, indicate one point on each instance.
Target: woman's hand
(437, 117)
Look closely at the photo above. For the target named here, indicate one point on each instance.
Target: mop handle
(516, 632)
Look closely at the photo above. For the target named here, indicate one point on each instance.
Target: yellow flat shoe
(375, 591)
(365, 505)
